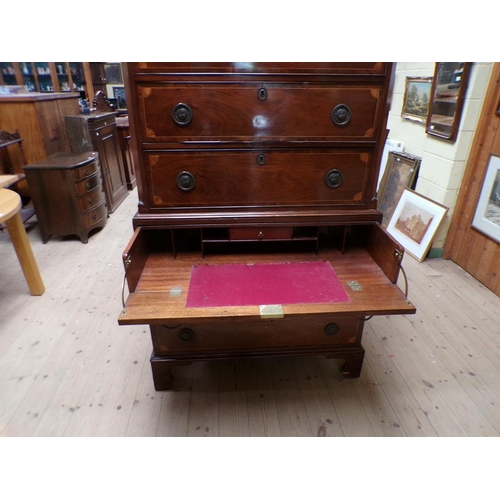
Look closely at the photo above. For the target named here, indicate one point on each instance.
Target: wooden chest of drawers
(67, 193)
(255, 163)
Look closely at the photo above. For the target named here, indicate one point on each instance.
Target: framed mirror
(447, 99)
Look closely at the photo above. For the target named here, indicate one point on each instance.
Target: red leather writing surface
(260, 284)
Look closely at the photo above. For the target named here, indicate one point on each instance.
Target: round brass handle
(88, 185)
(334, 178)
(182, 114)
(331, 329)
(186, 181)
(341, 115)
(94, 217)
(85, 172)
(186, 334)
(90, 201)
(260, 235)
(262, 94)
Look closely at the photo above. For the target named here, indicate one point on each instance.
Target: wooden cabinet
(98, 132)
(249, 173)
(99, 79)
(67, 194)
(123, 127)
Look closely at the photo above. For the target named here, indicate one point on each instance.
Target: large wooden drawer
(256, 334)
(258, 177)
(258, 111)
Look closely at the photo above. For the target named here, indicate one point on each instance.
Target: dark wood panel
(330, 68)
(385, 251)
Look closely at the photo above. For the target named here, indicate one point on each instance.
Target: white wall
(443, 162)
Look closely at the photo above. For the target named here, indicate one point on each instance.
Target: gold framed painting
(400, 173)
(416, 98)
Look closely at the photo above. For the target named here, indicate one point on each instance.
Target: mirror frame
(459, 104)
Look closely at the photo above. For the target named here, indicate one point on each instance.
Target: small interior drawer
(260, 233)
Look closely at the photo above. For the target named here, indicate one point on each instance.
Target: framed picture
(487, 215)
(449, 86)
(119, 95)
(416, 99)
(113, 73)
(415, 222)
(400, 173)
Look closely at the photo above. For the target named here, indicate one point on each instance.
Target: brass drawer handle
(334, 178)
(94, 217)
(341, 115)
(186, 334)
(88, 185)
(262, 94)
(260, 235)
(91, 201)
(261, 159)
(186, 181)
(182, 114)
(85, 172)
(331, 329)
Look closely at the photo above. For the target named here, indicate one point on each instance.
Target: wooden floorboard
(68, 369)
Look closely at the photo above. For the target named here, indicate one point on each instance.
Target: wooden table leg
(25, 255)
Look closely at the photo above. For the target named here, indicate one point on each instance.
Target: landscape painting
(416, 99)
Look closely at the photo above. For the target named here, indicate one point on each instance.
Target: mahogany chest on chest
(252, 165)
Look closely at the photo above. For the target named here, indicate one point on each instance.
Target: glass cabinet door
(44, 77)
(8, 72)
(28, 76)
(77, 76)
(64, 77)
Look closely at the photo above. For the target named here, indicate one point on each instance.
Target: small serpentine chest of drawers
(246, 165)
(67, 194)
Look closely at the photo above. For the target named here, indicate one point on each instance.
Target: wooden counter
(39, 118)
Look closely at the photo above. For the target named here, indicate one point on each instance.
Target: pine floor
(68, 369)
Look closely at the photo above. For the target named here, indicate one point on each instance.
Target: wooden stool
(10, 204)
